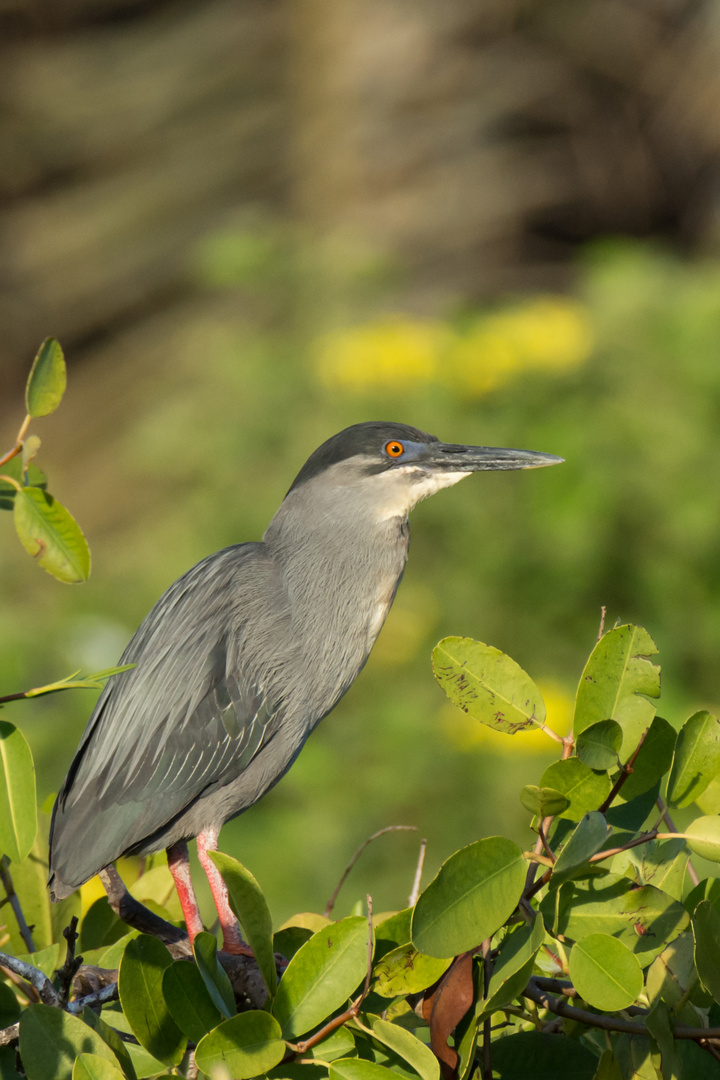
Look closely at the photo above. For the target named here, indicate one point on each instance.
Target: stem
(625, 771)
(487, 1024)
(14, 900)
(415, 891)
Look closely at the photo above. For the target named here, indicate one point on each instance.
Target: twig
(135, 914)
(608, 854)
(70, 968)
(14, 900)
(415, 891)
(692, 872)
(9, 1034)
(388, 828)
(625, 771)
(543, 838)
(601, 628)
(353, 1010)
(12, 697)
(18, 441)
(100, 997)
(33, 975)
(487, 1023)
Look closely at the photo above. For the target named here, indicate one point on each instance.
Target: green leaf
(543, 801)
(18, 800)
(673, 972)
(140, 983)
(404, 970)
(703, 837)
(112, 956)
(358, 1069)
(660, 1028)
(391, 932)
(530, 1055)
(407, 1046)
(605, 972)
(247, 1045)
(488, 685)
(30, 882)
(51, 534)
(473, 894)
(322, 975)
(617, 680)
(213, 974)
(47, 380)
(697, 759)
(709, 799)
(706, 932)
(584, 841)
(513, 966)
(51, 1040)
(111, 1038)
(584, 789)
(598, 746)
(156, 886)
(94, 1067)
(45, 960)
(660, 863)
(253, 912)
(707, 889)
(644, 919)
(652, 762)
(70, 682)
(9, 1008)
(188, 1000)
(339, 1043)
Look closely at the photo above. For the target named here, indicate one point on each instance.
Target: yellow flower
(395, 353)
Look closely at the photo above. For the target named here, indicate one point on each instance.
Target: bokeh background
(252, 222)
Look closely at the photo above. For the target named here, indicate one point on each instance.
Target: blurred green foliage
(194, 462)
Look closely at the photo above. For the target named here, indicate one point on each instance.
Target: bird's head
(391, 467)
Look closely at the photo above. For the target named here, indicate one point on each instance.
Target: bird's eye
(394, 449)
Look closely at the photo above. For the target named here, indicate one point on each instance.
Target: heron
(244, 655)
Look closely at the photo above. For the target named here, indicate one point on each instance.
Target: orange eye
(394, 449)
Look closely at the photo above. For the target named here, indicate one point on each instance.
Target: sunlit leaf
(247, 1045)
(408, 1047)
(513, 965)
(94, 1067)
(703, 837)
(586, 840)
(140, 984)
(252, 910)
(599, 745)
(51, 1040)
(214, 976)
(697, 759)
(488, 685)
(584, 789)
(47, 380)
(404, 970)
(706, 931)
(605, 972)
(50, 533)
(473, 894)
(617, 680)
(543, 801)
(18, 800)
(188, 1000)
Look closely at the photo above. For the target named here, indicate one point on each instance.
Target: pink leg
(179, 867)
(232, 938)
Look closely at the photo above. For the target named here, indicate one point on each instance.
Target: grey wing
(189, 717)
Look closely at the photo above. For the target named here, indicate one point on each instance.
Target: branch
(36, 978)
(14, 901)
(388, 828)
(625, 771)
(415, 891)
(136, 915)
(9, 1034)
(100, 997)
(70, 968)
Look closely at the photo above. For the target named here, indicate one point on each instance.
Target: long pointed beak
(452, 458)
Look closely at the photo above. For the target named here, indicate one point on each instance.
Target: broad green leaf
(703, 837)
(605, 972)
(652, 762)
(697, 759)
(513, 966)
(660, 863)
(252, 910)
(307, 920)
(188, 1000)
(157, 885)
(358, 1069)
(112, 956)
(488, 685)
(608, 1068)
(630, 816)
(392, 932)
(45, 960)
(247, 1045)
(213, 975)
(636, 1057)
(322, 975)
(18, 801)
(288, 941)
(543, 801)
(101, 927)
(407, 1046)
(51, 534)
(707, 889)
(34, 476)
(584, 789)
(585, 841)
(140, 983)
(111, 1038)
(709, 799)
(339, 1043)
(659, 1026)
(404, 970)
(644, 919)
(598, 746)
(9, 1007)
(94, 1067)
(47, 380)
(617, 680)
(673, 972)
(531, 1055)
(30, 882)
(51, 1040)
(706, 931)
(473, 894)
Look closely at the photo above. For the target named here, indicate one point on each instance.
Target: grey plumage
(243, 656)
